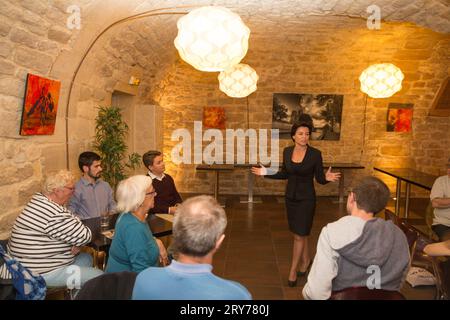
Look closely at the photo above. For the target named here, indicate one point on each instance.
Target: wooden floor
(258, 247)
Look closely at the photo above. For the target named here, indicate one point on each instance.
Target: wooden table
(217, 168)
(410, 177)
(341, 167)
(250, 182)
(159, 227)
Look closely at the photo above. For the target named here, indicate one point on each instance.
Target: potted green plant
(110, 135)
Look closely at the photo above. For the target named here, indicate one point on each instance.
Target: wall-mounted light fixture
(134, 81)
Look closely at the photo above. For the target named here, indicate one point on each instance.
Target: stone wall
(32, 34)
(107, 69)
(34, 39)
(300, 58)
(290, 51)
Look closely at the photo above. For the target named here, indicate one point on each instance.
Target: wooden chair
(109, 286)
(429, 214)
(419, 258)
(417, 241)
(389, 215)
(58, 293)
(442, 274)
(98, 257)
(364, 293)
(63, 293)
(411, 236)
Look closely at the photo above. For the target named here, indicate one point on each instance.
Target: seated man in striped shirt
(46, 237)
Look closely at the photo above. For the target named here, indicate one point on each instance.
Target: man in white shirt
(440, 200)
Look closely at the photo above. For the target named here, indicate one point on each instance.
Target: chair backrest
(109, 286)
(417, 240)
(429, 215)
(442, 274)
(411, 235)
(389, 215)
(422, 241)
(364, 293)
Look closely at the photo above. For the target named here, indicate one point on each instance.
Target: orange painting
(214, 117)
(40, 106)
(399, 117)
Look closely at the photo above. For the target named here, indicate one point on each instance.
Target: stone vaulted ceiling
(148, 42)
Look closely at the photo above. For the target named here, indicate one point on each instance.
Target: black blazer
(300, 177)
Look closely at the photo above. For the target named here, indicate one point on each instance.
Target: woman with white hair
(134, 248)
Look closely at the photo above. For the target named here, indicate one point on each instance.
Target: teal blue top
(133, 247)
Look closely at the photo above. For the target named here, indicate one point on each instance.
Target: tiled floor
(257, 248)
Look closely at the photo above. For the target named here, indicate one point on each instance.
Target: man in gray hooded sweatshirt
(359, 250)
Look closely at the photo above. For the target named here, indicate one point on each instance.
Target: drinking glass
(104, 221)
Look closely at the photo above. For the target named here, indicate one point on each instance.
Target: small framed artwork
(399, 117)
(40, 106)
(214, 117)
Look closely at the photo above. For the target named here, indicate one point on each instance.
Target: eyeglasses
(70, 188)
(153, 193)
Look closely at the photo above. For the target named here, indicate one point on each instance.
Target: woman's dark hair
(295, 126)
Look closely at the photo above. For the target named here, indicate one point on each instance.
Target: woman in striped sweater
(46, 237)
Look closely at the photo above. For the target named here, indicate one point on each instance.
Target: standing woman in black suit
(301, 163)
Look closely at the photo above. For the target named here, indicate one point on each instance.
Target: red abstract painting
(40, 106)
(214, 117)
(399, 117)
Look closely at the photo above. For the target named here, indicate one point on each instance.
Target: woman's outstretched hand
(332, 176)
(262, 171)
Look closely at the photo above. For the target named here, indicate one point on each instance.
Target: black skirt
(300, 214)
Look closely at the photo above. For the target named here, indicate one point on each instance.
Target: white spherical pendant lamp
(212, 38)
(381, 80)
(238, 81)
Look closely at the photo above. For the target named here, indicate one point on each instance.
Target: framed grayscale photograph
(322, 111)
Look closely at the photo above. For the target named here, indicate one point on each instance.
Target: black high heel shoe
(292, 283)
(301, 274)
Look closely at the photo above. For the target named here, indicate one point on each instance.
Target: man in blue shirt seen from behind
(198, 231)
(93, 196)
